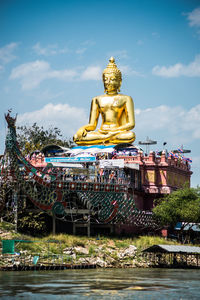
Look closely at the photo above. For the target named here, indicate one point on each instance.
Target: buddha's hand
(109, 133)
(81, 133)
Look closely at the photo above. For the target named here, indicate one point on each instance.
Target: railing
(9, 260)
(96, 179)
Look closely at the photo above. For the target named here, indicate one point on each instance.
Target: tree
(32, 223)
(33, 137)
(180, 206)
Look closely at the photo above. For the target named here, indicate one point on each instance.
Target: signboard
(111, 163)
(132, 166)
(70, 159)
(66, 165)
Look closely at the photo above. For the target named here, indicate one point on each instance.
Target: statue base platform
(93, 149)
(106, 147)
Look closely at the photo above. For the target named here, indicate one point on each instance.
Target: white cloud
(88, 43)
(2, 139)
(127, 70)
(140, 42)
(118, 53)
(47, 95)
(91, 73)
(84, 46)
(49, 49)
(175, 124)
(6, 53)
(33, 73)
(195, 169)
(179, 69)
(67, 118)
(155, 34)
(81, 50)
(194, 17)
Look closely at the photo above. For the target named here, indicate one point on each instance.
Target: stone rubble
(101, 257)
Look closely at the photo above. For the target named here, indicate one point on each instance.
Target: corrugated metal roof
(173, 249)
(188, 226)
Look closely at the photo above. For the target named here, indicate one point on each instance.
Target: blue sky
(52, 54)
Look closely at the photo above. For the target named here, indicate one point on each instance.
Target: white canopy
(90, 150)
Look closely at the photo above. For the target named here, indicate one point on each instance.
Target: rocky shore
(101, 257)
(103, 252)
(109, 257)
(99, 252)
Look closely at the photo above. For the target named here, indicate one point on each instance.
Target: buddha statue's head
(112, 78)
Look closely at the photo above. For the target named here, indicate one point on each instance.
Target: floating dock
(47, 267)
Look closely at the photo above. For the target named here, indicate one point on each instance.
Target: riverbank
(101, 251)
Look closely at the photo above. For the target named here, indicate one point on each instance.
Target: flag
(189, 160)
(180, 150)
(171, 154)
(158, 152)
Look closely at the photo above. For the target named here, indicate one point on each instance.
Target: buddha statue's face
(111, 83)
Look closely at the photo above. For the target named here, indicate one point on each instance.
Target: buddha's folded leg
(124, 137)
(97, 138)
(91, 138)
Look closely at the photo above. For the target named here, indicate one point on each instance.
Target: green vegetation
(64, 248)
(6, 226)
(122, 243)
(56, 244)
(180, 206)
(31, 222)
(92, 250)
(34, 137)
(146, 241)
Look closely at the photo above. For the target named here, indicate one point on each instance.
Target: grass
(7, 226)
(143, 242)
(123, 243)
(56, 244)
(92, 250)
(50, 249)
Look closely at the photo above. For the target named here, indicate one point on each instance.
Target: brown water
(112, 284)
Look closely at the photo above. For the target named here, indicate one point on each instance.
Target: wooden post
(88, 229)
(15, 208)
(74, 228)
(54, 224)
(48, 252)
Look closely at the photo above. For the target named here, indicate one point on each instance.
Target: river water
(104, 284)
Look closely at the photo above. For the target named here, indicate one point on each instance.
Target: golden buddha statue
(116, 110)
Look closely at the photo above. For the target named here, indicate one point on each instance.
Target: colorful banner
(70, 159)
(150, 176)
